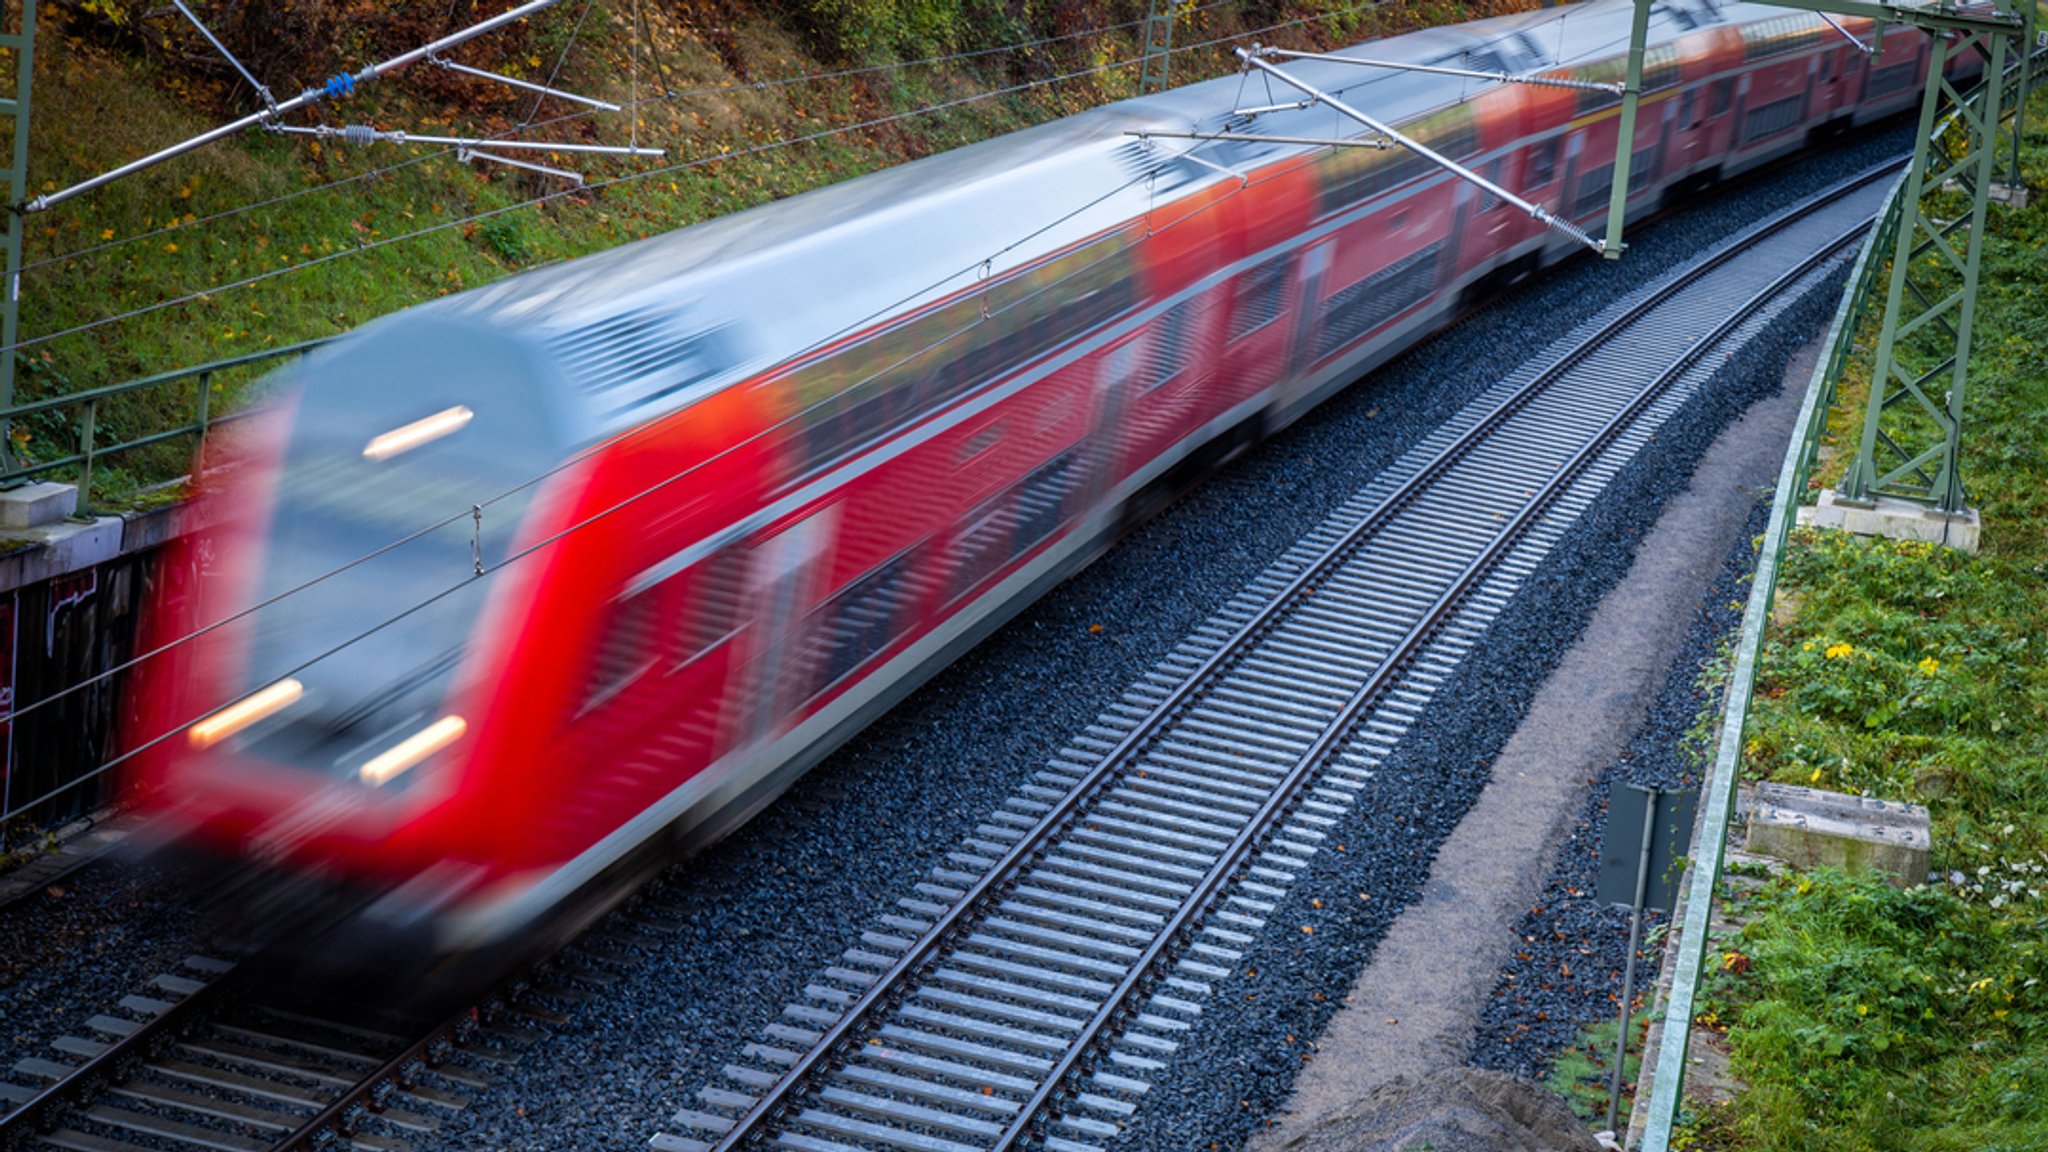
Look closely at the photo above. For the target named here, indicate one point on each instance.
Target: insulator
(359, 134)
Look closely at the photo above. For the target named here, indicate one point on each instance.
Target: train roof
(652, 325)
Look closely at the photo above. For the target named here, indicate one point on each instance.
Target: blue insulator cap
(341, 85)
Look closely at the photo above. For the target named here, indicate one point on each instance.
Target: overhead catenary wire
(341, 84)
(664, 484)
(629, 178)
(262, 90)
(667, 96)
(577, 458)
(696, 162)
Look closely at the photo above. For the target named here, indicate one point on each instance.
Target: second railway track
(1028, 991)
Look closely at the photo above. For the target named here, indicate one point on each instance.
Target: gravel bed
(781, 898)
(1568, 972)
(76, 949)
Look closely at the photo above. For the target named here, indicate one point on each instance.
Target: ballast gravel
(1567, 971)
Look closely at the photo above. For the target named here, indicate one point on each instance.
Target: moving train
(522, 591)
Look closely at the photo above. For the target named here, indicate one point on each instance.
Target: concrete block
(1807, 827)
(2010, 195)
(56, 549)
(33, 505)
(1896, 520)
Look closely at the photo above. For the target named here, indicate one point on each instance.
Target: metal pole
(366, 135)
(1635, 940)
(1536, 211)
(2019, 108)
(1537, 79)
(262, 91)
(338, 86)
(23, 45)
(1625, 135)
(86, 435)
(1158, 47)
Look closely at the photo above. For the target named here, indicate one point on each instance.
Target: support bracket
(1256, 57)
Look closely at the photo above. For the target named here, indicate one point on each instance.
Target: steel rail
(892, 986)
(1178, 929)
(335, 1115)
(38, 1113)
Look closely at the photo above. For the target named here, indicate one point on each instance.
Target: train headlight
(446, 422)
(244, 712)
(408, 752)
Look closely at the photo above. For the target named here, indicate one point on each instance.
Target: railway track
(1034, 983)
(196, 1061)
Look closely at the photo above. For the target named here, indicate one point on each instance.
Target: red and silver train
(560, 574)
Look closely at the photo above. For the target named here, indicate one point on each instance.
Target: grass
(1580, 1075)
(352, 233)
(1864, 1015)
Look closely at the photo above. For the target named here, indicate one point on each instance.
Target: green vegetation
(1861, 1015)
(341, 235)
(1582, 1074)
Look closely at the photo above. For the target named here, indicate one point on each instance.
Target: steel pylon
(1966, 155)
(1158, 46)
(1912, 431)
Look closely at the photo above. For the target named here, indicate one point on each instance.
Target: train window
(1451, 131)
(862, 392)
(983, 545)
(1352, 175)
(1542, 167)
(1724, 97)
(1781, 35)
(1045, 496)
(1660, 67)
(625, 648)
(1260, 298)
(1642, 167)
(865, 618)
(1660, 71)
(1488, 202)
(1891, 78)
(1772, 118)
(1171, 351)
(1686, 107)
(1354, 311)
(717, 592)
(1596, 185)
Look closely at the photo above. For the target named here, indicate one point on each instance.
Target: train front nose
(334, 714)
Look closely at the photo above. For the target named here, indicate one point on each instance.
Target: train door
(1485, 219)
(1114, 373)
(1660, 157)
(789, 569)
(1315, 269)
(1568, 185)
(1739, 132)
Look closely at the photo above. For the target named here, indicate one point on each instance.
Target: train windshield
(373, 547)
